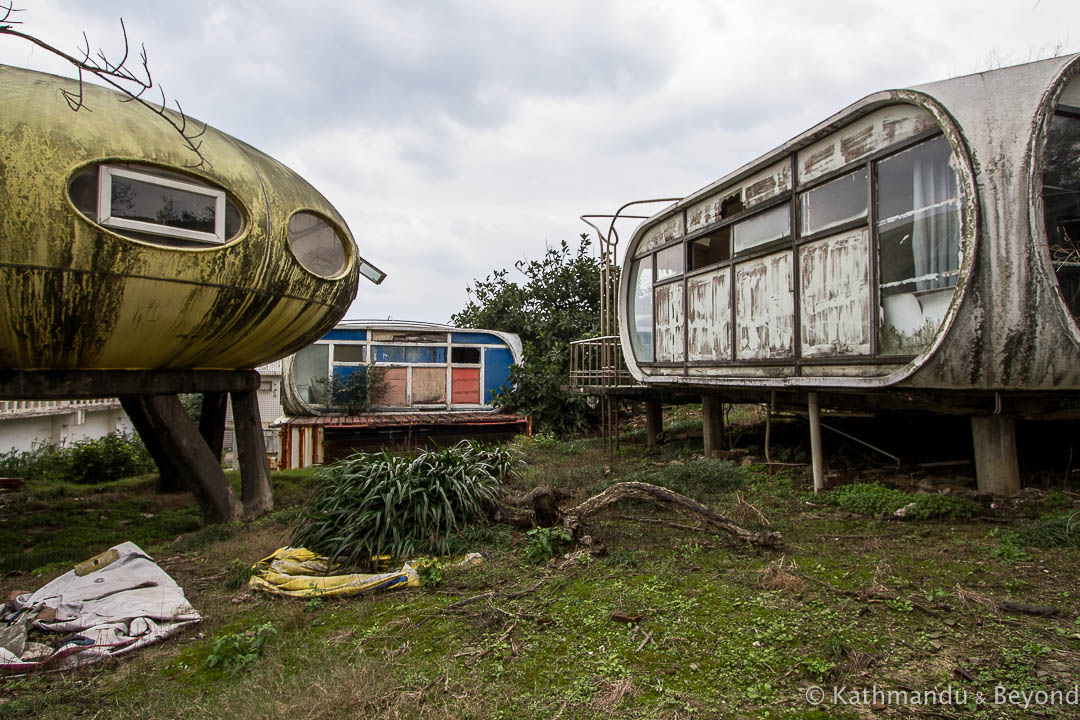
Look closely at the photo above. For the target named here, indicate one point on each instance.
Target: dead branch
(133, 84)
(573, 518)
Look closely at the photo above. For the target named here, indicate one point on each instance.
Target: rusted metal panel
(834, 295)
(428, 385)
(709, 316)
(465, 385)
(662, 232)
(862, 138)
(397, 387)
(758, 188)
(765, 308)
(669, 322)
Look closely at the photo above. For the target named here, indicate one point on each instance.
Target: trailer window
(641, 309)
(834, 203)
(763, 228)
(1061, 202)
(918, 234)
(710, 249)
(669, 262)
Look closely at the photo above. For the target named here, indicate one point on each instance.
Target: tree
(558, 302)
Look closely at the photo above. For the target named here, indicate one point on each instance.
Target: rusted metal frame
(834, 230)
(858, 360)
(796, 291)
(875, 257)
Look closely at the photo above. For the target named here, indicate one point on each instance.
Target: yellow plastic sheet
(298, 572)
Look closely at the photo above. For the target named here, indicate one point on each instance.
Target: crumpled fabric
(298, 572)
(114, 609)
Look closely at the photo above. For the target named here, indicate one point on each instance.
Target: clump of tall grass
(382, 504)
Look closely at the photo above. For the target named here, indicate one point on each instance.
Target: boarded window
(397, 386)
(466, 385)
(428, 385)
(834, 203)
(350, 353)
(763, 228)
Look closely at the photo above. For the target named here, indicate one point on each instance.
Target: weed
(232, 651)
(543, 543)
(237, 573)
(111, 457)
(876, 499)
(1054, 529)
(313, 604)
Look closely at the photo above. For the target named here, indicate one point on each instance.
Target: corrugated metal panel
(669, 322)
(834, 286)
(709, 323)
(764, 308)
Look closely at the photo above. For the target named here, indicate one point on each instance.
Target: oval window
(155, 205)
(316, 244)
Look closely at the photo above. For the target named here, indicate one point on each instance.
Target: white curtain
(935, 233)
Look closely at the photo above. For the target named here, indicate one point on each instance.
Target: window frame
(104, 209)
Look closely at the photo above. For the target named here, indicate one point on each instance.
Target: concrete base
(997, 469)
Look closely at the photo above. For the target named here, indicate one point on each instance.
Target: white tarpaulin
(112, 604)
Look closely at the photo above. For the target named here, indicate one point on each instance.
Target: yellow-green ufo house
(117, 254)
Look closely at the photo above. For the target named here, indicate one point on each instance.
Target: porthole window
(316, 245)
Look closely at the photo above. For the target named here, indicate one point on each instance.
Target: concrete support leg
(654, 420)
(169, 481)
(815, 442)
(165, 424)
(212, 421)
(712, 423)
(997, 469)
(257, 494)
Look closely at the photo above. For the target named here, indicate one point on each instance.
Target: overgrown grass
(385, 504)
(876, 499)
(1054, 529)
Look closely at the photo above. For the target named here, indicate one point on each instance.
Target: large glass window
(1061, 201)
(311, 366)
(763, 228)
(669, 262)
(834, 203)
(397, 354)
(710, 249)
(641, 309)
(918, 228)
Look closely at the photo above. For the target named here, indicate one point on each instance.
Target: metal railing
(598, 362)
(17, 408)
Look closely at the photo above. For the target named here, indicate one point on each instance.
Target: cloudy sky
(457, 137)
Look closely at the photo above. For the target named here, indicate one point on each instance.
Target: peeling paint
(764, 308)
(834, 296)
(669, 322)
(662, 233)
(756, 189)
(709, 316)
(863, 137)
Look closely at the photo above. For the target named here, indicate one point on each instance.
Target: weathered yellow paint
(76, 295)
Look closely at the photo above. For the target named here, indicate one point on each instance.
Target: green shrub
(232, 651)
(876, 499)
(543, 543)
(354, 393)
(383, 504)
(103, 459)
(237, 573)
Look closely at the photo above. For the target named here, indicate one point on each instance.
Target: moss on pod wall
(74, 294)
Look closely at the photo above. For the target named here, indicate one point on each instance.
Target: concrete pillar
(997, 469)
(815, 442)
(712, 423)
(654, 420)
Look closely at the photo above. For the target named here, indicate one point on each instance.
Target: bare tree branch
(116, 74)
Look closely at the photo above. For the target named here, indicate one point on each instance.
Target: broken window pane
(1061, 200)
(834, 203)
(349, 353)
(669, 262)
(641, 309)
(918, 211)
(465, 355)
(763, 228)
(713, 248)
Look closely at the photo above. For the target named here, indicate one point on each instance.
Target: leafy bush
(232, 651)
(876, 499)
(383, 504)
(543, 543)
(559, 302)
(103, 459)
(237, 573)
